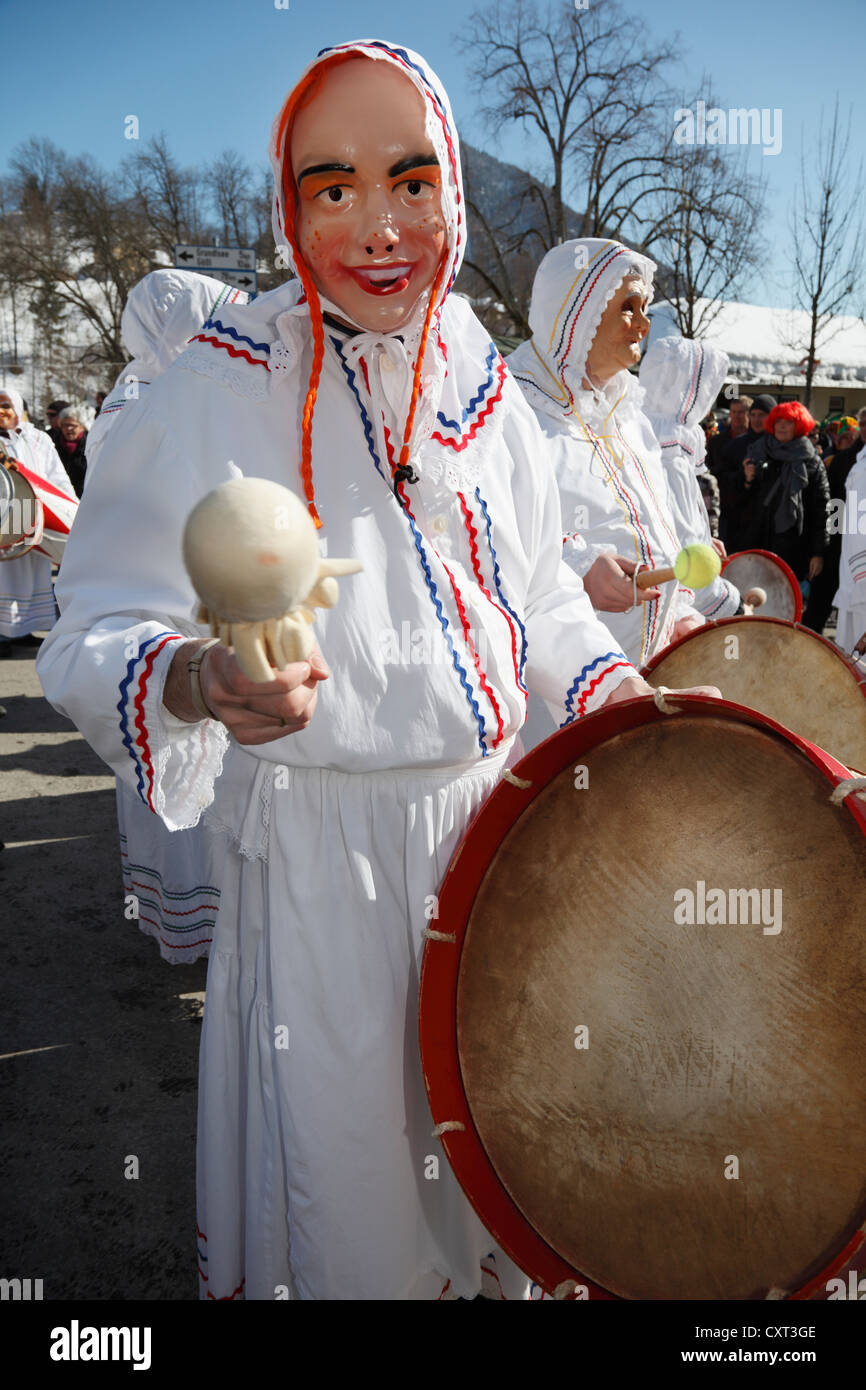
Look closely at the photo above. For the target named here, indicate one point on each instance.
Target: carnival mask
(616, 345)
(369, 223)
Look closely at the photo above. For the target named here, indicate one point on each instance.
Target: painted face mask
(368, 208)
(369, 223)
(573, 287)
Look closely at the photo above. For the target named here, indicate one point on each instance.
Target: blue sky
(212, 73)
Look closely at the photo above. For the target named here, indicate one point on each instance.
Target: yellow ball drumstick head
(697, 565)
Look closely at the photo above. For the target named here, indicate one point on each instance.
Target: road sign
(209, 258)
(241, 279)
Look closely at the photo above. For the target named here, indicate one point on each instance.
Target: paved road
(98, 1035)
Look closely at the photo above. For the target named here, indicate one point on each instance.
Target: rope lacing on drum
(661, 703)
(432, 935)
(521, 782)
(566, 1289)
(446, 1127)
(845, 788)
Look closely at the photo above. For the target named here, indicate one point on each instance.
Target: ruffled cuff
(175, 764)
(580, 556)
(721, 599)
(592, 686)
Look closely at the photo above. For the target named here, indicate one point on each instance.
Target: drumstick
(755, 597)
(646, 579)
(696, 566)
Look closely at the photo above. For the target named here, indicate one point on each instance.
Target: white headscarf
(162, 313)
(681, 380)
(573, 286)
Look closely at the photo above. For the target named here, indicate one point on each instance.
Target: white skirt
(314, 1173)
(170, 879)
(26, 596)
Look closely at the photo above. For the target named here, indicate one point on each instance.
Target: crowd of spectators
(774, 471)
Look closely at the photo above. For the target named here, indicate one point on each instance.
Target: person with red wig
(782, 497)
(338, 791)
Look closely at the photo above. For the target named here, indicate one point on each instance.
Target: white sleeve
(126, 601)
(719, 599)
(852, 561)
(51, 467)
(573, 662)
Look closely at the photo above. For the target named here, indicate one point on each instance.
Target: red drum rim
(786, 570)
(855, 670)
(439, 977)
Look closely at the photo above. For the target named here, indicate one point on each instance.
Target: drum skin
(780, 669)
(749, 569)
(646, 1107)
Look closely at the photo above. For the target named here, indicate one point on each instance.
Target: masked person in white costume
(681, 379)
(588, 319)
(172, 877)
(160, 316)
(340, 790)
(26, 595)
(850, 597)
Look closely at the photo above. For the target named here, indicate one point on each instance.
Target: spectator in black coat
(52, 428)
(725, 453)
(758, 412)
(783, 495)
(73, 437)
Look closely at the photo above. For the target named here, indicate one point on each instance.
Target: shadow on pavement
(98, 1048)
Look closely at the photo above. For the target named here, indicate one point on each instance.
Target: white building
(768, 347)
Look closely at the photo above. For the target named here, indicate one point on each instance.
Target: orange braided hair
(302, 94)
(416, 377)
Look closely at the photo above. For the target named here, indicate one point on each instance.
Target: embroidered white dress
(26, 593)
(314, 1129)
(682, 378)
(850, 597)
(602, 447)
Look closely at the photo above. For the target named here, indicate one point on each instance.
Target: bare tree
(595, 92)
(78, 244)
(75, 238)
(828, 228)
(703, 226)
(591, 87)
(229, 180)
(168, 196)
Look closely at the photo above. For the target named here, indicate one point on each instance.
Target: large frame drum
(21, 515)
(641, 1096)
(34, 514)
(786, 672)
(761, 569)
